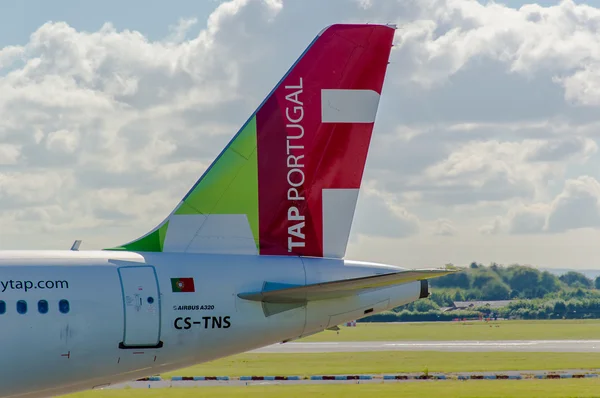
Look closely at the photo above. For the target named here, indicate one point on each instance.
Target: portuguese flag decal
(182, 285)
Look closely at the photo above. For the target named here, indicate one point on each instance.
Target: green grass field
(404, 362)
(398, 361)
(387, 362)
(501, 330)
(439, 389)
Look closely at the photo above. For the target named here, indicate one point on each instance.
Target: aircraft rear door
(141, 303)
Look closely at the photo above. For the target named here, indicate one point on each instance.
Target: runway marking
(362, 379)
(466, 346)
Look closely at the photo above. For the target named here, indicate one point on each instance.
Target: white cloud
(471, 163)
(111, 109)
(23, 188)
(8, 55)
(365, 3)
(9, 154)
(576, 207)
(441, 37)
(487, 171)
(179, 31)
(444, 227)
(583, 86)
(62, 141)
(379, 216)
(492, 228)
(564, 148)
(528, 219)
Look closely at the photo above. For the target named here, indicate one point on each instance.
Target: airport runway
(447, 346)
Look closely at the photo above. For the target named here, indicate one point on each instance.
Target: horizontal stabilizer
(341, 288)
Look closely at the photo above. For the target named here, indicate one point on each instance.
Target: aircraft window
(63, 306)
(43, 306)
(22, 307)
(2, 307)
(150, 300)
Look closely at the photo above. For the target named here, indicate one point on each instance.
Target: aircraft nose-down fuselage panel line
(251, 256)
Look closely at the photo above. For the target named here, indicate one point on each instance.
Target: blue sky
(19, 18)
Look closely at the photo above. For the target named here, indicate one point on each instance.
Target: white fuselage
(121, 319)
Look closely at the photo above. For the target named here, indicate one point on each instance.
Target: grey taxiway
(447, 346)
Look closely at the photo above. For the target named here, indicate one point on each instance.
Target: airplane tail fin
(288, 182)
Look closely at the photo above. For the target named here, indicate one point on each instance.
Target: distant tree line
(536, 295)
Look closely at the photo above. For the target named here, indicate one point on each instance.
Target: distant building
(467, 305)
